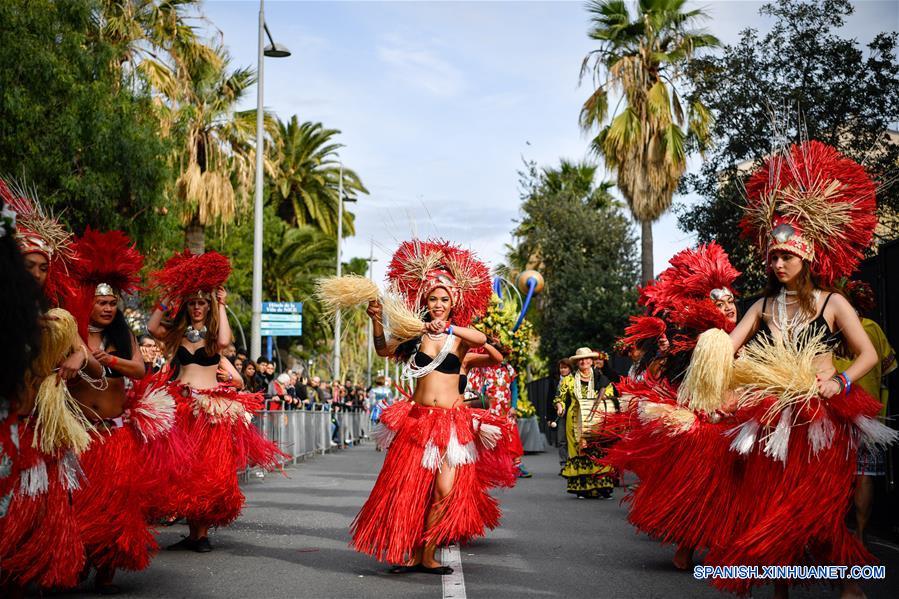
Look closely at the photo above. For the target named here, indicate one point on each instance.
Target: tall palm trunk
(195, 232)
(195, 237)
(646, 251)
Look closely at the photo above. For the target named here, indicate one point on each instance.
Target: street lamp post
(275, 51)
(338, 321)
(371, 262)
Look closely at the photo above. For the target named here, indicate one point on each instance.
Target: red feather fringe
(111, 505)
(642, 328)
(109, 257)
(39, 538)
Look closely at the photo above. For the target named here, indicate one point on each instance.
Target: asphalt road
(291, 541)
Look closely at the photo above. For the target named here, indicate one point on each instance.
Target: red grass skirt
(40, 541)
(391, 526)
(111, 505)
(497, 465)
(218, 425)
(794, 502)
(688, 477)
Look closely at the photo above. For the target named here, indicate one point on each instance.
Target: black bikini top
(463, 383)
(450, 365)
(200, 357)
(832, 339)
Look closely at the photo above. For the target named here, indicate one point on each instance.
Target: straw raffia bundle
(783, 370)
(340, 293)
(708, 376)
(59, 423)
(400, 322)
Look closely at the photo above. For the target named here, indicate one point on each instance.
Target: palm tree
(640, 57)
(305, 254)
(307, 175)
(215, 154)
(151, 35)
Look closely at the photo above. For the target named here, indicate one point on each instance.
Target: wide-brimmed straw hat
(583, 352)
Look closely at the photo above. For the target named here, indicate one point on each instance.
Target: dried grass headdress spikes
(418, 267)
(816, 203)
(38, 231)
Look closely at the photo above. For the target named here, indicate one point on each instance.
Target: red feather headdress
(642, 328)
(185, 275)
(693, 275)
(419, 267)
(816, 203)
(103, 264)
(37, 231)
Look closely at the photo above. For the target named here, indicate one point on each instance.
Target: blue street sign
(282, 319)
(282, 308)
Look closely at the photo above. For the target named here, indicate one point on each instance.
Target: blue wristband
(449, 330)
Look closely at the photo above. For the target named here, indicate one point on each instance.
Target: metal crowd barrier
(304, 433)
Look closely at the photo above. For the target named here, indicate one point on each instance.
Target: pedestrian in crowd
(324, 394)
(276, 392)
(301, 389)
(319, 397)
(564, 369)
(379, 399)
(241, 354)
(238, 363)
(262, 377)
(229, 352)
(248, 374)
(150, 353)
(290, 401)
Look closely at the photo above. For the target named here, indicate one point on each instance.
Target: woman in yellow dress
(586, 395)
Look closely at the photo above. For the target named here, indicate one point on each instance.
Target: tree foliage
(801, 80)
(579, 238)
(90, 149)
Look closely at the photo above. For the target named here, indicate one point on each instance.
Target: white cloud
(422, 69)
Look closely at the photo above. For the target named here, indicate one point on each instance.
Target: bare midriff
(198, 377)
(437, 389)
(99, 405)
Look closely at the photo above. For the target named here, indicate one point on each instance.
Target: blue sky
(438, 102)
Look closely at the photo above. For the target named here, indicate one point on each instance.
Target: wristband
(846, 381)
(162, 307)
(449, 330)
(113, 361)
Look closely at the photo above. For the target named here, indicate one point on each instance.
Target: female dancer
(678, 451)
(429, 493)
(40, 432)
(111, 506)
(214, 415)
(811, 210)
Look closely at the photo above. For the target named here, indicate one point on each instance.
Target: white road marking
(453, 584)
